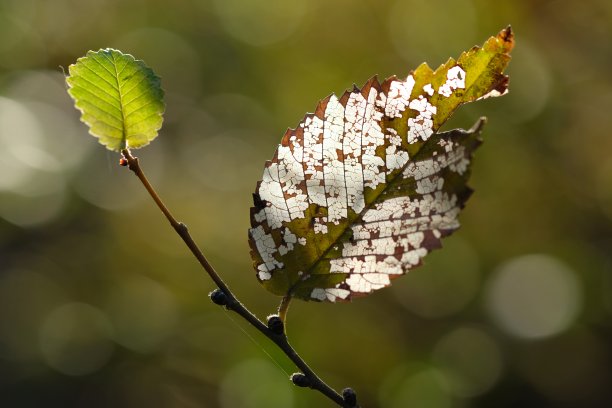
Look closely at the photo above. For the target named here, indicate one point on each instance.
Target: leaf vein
(104, 102)
(131, 125)
(102, 90)
(95, 59)
(140, 108)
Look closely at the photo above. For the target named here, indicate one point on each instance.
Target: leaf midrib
(121, 104)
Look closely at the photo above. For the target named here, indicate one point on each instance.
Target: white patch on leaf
(319, 226)
(455, 79)
(263, 273)
(313, 159)
(421, 126)
(291, 177)
(396, 157)
(272, 192)
(455, 159)
(493, 94)
(333, 166)
(373, 137)
(398, 97)
(266, 248)
(458, 162)
(354, 115)
(413, 258)
(428, 90)
(259, 216)
(429, 184)
(366, 283)
(290, 239)
(330, 294)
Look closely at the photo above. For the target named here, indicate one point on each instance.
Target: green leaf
(119, 97)
(363, 188)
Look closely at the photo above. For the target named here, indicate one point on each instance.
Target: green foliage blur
(101, 305)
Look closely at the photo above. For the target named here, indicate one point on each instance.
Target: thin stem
(179, 227)
(232, 302)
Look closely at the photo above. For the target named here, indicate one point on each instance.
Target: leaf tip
(507, 37)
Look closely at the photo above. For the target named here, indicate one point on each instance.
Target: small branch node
(301, 380)
(218, 297)
(350, 397)
(276, 325)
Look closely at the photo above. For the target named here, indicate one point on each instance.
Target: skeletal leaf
(363, 188)
(119, 97)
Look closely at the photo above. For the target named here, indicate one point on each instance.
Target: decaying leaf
(363, 188)
(119, 97)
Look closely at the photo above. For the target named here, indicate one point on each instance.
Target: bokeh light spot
(469, 361)
(414, 386)
(534, 296)
(530, 86)
(25, 299)
(75, 339)
(143, 313)
(40, 144)
(260, 23)
(19, 130)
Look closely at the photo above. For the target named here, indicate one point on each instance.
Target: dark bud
(275, 324)
(349, 396)
(218, 297)
(123, 162)
(300, 380)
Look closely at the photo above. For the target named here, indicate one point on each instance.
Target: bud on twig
(218, 297)
(300, 380)
(349, 396)
(275, 324)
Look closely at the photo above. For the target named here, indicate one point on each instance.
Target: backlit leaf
(119, 97)
(365, 186)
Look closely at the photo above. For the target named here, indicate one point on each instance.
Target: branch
(223, 296)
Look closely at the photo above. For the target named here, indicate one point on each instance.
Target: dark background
(101, 304)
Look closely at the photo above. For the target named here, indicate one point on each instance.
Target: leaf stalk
(284, 307)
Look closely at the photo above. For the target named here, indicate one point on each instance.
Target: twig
(274, 330)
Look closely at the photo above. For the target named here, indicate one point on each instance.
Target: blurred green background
(101, 304)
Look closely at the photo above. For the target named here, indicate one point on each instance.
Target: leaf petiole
(284, 307)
